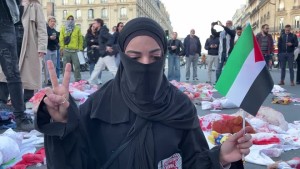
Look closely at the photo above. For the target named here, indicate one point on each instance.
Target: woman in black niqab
(147, 93)
(136, 121)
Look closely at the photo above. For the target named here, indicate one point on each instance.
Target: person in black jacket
(287, 43)
(175, 47)
(266, 44)
(10, 15)
(52, 45)
(226, 38)
(91, 39)
(192, 48)
(212, 47)
(136, 121)
(114, 42)
(106, 52)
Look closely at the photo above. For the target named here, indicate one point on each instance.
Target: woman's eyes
(157, 57)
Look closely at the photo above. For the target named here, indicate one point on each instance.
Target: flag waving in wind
(245, 80)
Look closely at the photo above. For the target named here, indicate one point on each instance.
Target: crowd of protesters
(36, 41)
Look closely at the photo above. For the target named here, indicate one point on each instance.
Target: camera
(214, 23)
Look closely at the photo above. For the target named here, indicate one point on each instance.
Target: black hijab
(144, 90)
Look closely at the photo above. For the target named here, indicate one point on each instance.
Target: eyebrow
(136, 52)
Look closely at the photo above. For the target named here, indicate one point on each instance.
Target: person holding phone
(52, 45)
(287, 43)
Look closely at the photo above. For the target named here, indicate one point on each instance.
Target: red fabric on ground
(272, 140)
(30, 159)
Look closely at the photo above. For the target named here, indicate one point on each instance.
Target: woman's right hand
(57, 97)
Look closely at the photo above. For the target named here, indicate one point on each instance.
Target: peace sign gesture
(57, 99)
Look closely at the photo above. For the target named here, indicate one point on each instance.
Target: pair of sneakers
(23, 120)
(195, 79)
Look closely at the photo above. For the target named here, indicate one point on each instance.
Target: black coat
(88, 140)
(92, 53)
(212, 41)
(179, 50)
(283, 39)
(104, 39)
(52, 44)
(186, 44)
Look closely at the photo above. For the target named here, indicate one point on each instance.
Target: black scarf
(144, 90)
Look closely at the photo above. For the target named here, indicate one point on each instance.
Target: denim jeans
(298, 69)
(51, 55)
(10, 67)
(19, 36)
(118, 59)
(267, 58)
(173, 67)
(58, 64)
(283, 58)
(220, 66)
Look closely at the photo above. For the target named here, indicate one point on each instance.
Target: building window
(297, 21)
(78, 14)
(281, 5)
(77, 2)
(281, 23)
(91, 1)
(104, 13)
(90, 13)
(103, 1)
(123, 12)
(65, 13)
(65, 2)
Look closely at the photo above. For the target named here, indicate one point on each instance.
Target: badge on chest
(173, 162)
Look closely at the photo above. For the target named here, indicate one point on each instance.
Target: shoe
(281, 83)
(187, 79)
(208, 82)
(24, 121)
(292, 83)
(297, 82)
(196, 79)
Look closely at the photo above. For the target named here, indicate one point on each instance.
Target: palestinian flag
(245, 79)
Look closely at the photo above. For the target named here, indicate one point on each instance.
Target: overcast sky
(198, 14)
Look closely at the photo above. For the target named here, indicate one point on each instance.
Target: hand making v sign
(57, 99)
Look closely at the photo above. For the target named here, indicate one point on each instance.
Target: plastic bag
(272, 152)
(9, 148)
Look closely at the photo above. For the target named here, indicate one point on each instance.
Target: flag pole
(244, 125)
